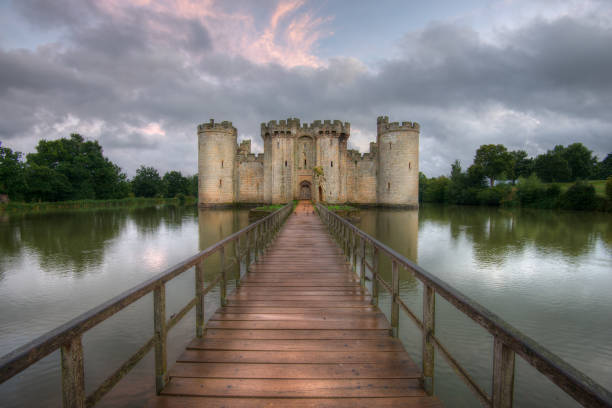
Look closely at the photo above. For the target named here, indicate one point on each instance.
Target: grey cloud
(463, 90)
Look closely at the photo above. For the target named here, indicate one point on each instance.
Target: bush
(609, 188)
(580, 196)
(494, 195)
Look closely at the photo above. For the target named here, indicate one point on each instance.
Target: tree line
(537, 177)
(75, 169)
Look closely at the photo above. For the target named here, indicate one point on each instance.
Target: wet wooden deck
(299, 332)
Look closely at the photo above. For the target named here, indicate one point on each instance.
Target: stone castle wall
(309, 157)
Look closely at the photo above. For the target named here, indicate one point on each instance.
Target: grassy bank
(134, 202)
(600, 186)
(341, 207)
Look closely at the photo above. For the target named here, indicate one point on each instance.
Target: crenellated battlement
(224, 126)
(292, 126)
(383, 125)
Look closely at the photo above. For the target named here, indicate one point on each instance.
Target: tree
(520, 165)
(79, 166)
(551, 167)
(494, 160)
(147, 182)
(603, 169)
(193, 185)
(12, 173)
(580, 161)
(175, 183)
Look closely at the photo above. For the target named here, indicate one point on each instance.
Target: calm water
(547, 273)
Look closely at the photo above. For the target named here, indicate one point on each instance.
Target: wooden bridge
(301, 330)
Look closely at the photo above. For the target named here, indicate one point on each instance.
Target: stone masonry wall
(398, 158)
(216, 162)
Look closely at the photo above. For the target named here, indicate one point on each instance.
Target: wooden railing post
(354, 255)
(238, 260)
(199, 281)
(159, 323)
(363, 263)
(375, 276)
(73, 374)
(429, 324)
(223, 283)
(394, 298)
(503, 375)
(248, 248)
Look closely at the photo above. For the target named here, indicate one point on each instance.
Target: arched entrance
(320, 194)
(305, 190)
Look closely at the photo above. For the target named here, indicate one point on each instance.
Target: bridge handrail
(68, 337)
(507, 339)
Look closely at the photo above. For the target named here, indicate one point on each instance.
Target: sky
(140, 75)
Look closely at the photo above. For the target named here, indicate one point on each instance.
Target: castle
(309, 161)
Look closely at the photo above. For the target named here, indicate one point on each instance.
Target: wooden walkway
(299, 332)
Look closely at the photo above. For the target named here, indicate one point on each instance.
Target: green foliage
(574, 162)
(318, 170)
(494, 161)
(609, 188)
(12, 173)
(193, 185)
(140, 202)
(175, 183)
(603, 169)
(520, 165)
(74, 169)
(531, 192)
(435, 191)
(147, 182)
(580, 196)
(334, 207)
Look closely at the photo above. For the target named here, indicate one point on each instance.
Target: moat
(547, 273)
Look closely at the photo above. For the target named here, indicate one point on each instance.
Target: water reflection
(545, 272)
(55, 266)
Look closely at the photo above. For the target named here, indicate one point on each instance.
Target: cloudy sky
(140, 75)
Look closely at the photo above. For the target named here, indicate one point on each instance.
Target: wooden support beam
(73, 374)
(503, 375)
(429, 314)
(394, 299)
(199, 282)
(159, 323)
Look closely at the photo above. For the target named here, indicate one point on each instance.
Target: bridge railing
(508, 341)
(68, 337)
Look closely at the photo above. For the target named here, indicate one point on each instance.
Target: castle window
(409, 166)
(277, 144)
(221, 163)
(388, 186)
(220, 182)
(389, 145)
(304, 162)
(285, 163)
(332, 164)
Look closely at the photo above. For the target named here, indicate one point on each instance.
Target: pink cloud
(289, 38)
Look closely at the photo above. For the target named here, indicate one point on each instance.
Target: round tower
(216, 163)
(398, 163)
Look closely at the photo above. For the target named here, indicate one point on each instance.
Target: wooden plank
(359, 315)
(283, 357)
(214, 402)
(375, 324)
(383, 344)
(295, 388)
(313, 371)
(295, 334)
